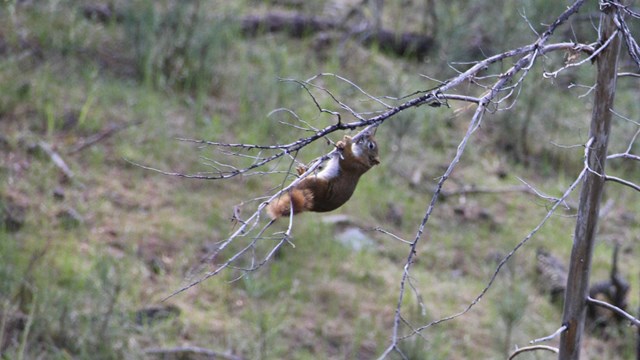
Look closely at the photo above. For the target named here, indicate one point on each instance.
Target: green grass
(76, 291)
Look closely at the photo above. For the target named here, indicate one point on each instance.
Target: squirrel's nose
(375, 160)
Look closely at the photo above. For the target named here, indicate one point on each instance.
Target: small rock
(355, 238)
(337, 220)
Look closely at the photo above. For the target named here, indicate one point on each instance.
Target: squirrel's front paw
(346, 140)
(301, 169)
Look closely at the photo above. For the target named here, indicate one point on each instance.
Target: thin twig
(550, 337)
(466, 190)
(618, 180)
(540, 194)
(615, 309)
(624, 156)
(632, 45)
(374, 98)
(583, 61)
(508, 256)
(56, 159)
(396, 237)
(102, 135)
(533, 348)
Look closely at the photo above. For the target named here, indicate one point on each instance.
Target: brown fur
(327, 191)
(300, 199)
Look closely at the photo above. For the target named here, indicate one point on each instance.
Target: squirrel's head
(366, 148)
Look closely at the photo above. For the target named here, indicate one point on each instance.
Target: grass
(78, 291)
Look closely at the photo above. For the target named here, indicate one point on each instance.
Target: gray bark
(584, 237)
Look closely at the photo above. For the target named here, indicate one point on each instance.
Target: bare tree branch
(618, 180)
(624, 156)
(583, 61)
(632, 45)
(615, 309)
(508, 256)
(433, 96)
(524, 64)
(624, 8)
(629, 74)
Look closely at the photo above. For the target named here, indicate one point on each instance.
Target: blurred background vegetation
(86, 256)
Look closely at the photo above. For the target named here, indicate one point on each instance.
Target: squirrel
(334, 184)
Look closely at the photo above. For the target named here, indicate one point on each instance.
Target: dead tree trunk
(577, 289)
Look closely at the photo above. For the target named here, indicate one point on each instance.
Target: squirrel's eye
(371, 145)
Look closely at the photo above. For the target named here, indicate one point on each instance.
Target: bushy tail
(282, 205)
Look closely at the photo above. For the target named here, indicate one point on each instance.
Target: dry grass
(83, 285)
